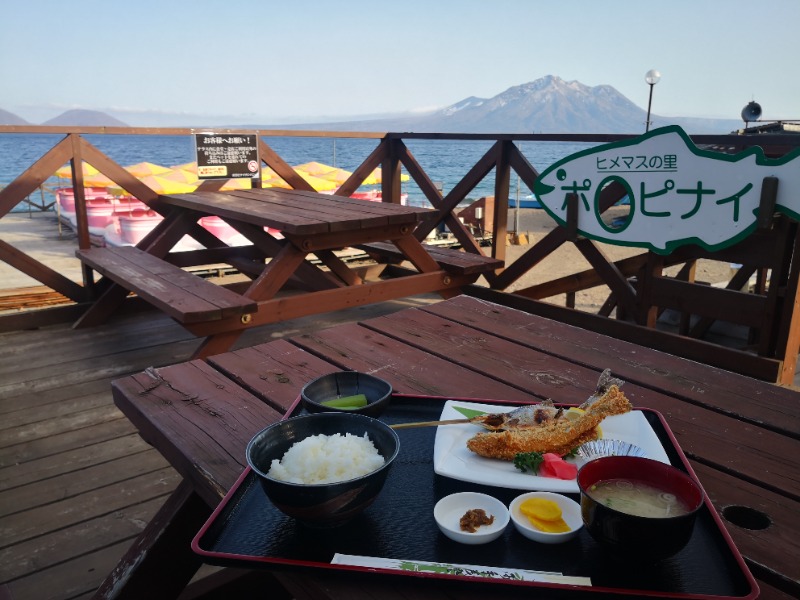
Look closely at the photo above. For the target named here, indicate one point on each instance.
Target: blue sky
(302, 61)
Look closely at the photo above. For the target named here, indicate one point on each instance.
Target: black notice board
(226, 155)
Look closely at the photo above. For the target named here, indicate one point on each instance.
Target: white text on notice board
(226, 155)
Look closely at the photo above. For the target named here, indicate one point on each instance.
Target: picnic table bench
(176, 292)
(308, 224)
(452, 260)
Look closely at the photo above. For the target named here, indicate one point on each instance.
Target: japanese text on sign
(624, 164)
(226, 156)
(669, 193)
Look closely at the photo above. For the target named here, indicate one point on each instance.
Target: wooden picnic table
(740, 435)
(285, 228)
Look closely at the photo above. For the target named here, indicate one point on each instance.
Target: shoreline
(42, 236)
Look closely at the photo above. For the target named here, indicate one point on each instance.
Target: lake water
(445, 161)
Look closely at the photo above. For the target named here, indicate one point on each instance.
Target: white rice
(327, 459)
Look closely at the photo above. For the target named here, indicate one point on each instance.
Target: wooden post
(572, 217)
(687, 273)
(502, 188)
(788, 338)
(390, 168)
(647, 303)
(76, 162)
(766, 206)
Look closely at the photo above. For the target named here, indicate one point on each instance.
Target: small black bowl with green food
(347, 391)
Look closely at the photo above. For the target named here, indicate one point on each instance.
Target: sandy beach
(567, 260)
(39, 235)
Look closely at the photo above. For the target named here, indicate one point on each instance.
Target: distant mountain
(86, 118)
(547, 105)
(8, 118)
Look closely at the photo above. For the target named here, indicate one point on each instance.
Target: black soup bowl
(321, 504)
(633, 537)
(377, 391)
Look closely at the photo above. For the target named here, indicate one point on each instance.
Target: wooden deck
(77, 484)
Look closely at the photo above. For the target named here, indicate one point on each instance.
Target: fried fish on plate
(536, 415)
(524, 417)
(555, 435)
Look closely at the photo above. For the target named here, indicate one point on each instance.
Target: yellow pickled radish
(541, 508)
(559, 526)
(544, 515)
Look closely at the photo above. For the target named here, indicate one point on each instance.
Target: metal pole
(649, 104)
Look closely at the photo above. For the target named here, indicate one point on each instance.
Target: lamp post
(651, 77)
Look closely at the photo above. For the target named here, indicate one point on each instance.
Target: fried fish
(536, 415)
(555, 435)
(524, 417)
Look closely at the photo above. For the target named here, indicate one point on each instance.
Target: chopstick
(428, 423)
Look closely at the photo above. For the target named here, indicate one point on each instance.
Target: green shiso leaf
(469, 412)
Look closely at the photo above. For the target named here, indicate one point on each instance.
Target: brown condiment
(474, 518)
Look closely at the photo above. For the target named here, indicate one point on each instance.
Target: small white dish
(449, 510)
(570, 512)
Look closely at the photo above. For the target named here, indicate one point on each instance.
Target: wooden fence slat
(761, 250)
(34, 176)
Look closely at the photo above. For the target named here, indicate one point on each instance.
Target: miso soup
(637, 498)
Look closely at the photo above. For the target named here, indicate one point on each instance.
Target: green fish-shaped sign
(678, 193)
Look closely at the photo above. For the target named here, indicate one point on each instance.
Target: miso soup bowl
(636, 538)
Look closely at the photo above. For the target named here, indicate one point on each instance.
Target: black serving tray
(246, 530)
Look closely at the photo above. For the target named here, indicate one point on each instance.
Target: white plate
(451, 457)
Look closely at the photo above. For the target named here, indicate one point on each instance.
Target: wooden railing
(779, 340)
